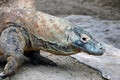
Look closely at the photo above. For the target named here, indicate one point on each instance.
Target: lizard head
(83, 40)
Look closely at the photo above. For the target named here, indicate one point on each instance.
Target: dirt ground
(67, 69)
(104, 9)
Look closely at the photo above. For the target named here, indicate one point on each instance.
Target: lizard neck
(59, 49)
(54, 48)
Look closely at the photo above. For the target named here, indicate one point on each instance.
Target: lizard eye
(85, 38)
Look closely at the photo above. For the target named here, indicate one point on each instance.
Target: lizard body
(24, 31)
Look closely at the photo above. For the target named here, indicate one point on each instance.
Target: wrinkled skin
(24, 31)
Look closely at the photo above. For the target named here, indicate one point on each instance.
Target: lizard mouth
(96, 53)
(93, 48)
(92, 51)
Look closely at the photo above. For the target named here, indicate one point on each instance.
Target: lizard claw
(2, 74)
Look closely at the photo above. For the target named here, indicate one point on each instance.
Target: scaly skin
(25, 31)
(39, 26)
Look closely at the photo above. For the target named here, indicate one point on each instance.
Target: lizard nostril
(101, 48)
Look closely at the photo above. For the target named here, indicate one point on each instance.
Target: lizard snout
(94, 48)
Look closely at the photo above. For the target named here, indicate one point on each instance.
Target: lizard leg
(36, 58)
(3, 59)
(11, 44)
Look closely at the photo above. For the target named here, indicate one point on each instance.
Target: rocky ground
(104, 9)
(67, 69)
(107, 32)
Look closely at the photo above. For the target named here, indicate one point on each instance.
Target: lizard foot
(36, 58)
(10, 68)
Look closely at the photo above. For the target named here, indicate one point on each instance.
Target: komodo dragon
(25, 31)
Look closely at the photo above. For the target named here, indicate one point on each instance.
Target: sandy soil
(67, 69)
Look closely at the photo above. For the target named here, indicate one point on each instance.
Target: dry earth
(67, 69)
(104, 9)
